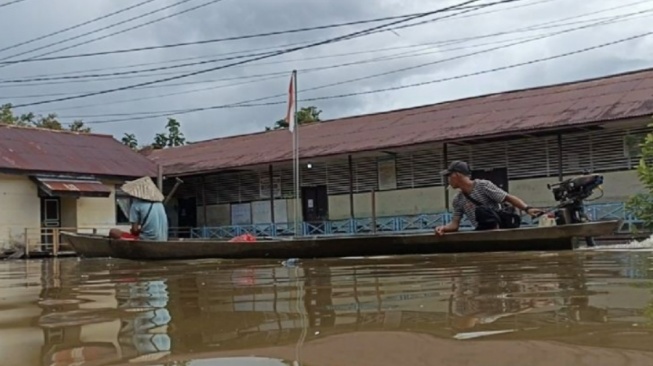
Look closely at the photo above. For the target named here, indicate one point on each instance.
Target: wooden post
(204, 209)
(560, 170)
(26, 243)
(374, 211)
(271, 175)
(55, 242)
(351, 186)
(159, 177)
(445, 163)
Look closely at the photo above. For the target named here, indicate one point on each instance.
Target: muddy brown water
(567, 308)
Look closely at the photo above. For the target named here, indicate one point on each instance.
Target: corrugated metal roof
(619, 96)
(42, 150)
(74, 186)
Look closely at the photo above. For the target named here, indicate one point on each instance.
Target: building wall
(98, 212)
(408, 181)
(19, 208)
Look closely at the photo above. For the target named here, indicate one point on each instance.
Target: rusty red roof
(619, 96)
(76, 187)
(47, 151)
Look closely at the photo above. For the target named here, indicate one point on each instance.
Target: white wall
(617, 187)
(98, 212)
(20, 207)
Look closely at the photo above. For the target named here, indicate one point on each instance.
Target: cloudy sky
(442, 53)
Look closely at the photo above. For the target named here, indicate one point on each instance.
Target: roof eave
(26, 172)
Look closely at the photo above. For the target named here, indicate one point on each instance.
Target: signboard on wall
(264, 186)
(241, 214)
(387, 174)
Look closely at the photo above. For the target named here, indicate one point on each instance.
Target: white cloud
(233, 18)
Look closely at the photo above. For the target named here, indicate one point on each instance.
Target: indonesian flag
(290, 114)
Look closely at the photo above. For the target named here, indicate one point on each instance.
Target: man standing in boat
(480, 201)
(147, 214)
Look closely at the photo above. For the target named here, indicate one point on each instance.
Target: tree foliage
(50, 121)
(172, 137)
(130, 140)
(641, 204)
(304, 115)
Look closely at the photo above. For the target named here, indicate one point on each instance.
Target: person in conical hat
(147, 214)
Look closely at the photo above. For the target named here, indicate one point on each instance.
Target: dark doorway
(50, 219)
(315, 203)
(498, 176)
(187, 215)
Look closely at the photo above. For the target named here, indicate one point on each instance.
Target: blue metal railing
(393, 224)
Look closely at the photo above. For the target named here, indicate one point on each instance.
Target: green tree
(304, 115)
(130, 140)
(78, 126)
(641, 204)
(50, 121)
(174, 136)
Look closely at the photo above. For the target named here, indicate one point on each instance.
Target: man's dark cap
(457, 167)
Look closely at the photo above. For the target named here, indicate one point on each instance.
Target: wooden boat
(565, 237)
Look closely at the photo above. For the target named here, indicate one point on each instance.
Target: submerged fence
(408, 223)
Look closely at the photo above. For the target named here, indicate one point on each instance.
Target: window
(123, 203)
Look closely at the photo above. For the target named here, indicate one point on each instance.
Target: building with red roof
(62, 179)
(520, 139)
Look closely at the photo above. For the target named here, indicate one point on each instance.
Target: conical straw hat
(144, 189)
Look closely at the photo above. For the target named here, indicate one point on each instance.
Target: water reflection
(106, 312)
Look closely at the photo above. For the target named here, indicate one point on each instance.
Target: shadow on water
(491, 309)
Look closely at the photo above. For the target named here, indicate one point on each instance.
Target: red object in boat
(128, 236)
(243, 238)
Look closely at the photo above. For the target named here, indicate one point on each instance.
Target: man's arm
(453, 226)
(517, 202)
(500, 196)
(134, 219)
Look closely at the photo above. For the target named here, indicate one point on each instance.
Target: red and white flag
(290, 114)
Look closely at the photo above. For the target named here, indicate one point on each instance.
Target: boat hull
(523, 239)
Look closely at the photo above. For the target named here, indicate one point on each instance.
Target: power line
(114, 25)
(234, 38)
(289, 50)
(545, 25)
(275, 47)
(250, 103)
(613, 20)
(257, 78)
(75, 26)
(11, 3)
(523, 40)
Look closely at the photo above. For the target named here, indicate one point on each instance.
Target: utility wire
(275, 75)
(113, 25)
(613, 20)
(11, 3)
(550, 24)
(257, 78)
(75, 26)
(276, 47)
(289, 50)
(250, 103)
(249, 36)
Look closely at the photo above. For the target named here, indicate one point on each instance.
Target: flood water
(566, 308)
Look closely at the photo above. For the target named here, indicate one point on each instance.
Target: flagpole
(296, 154)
